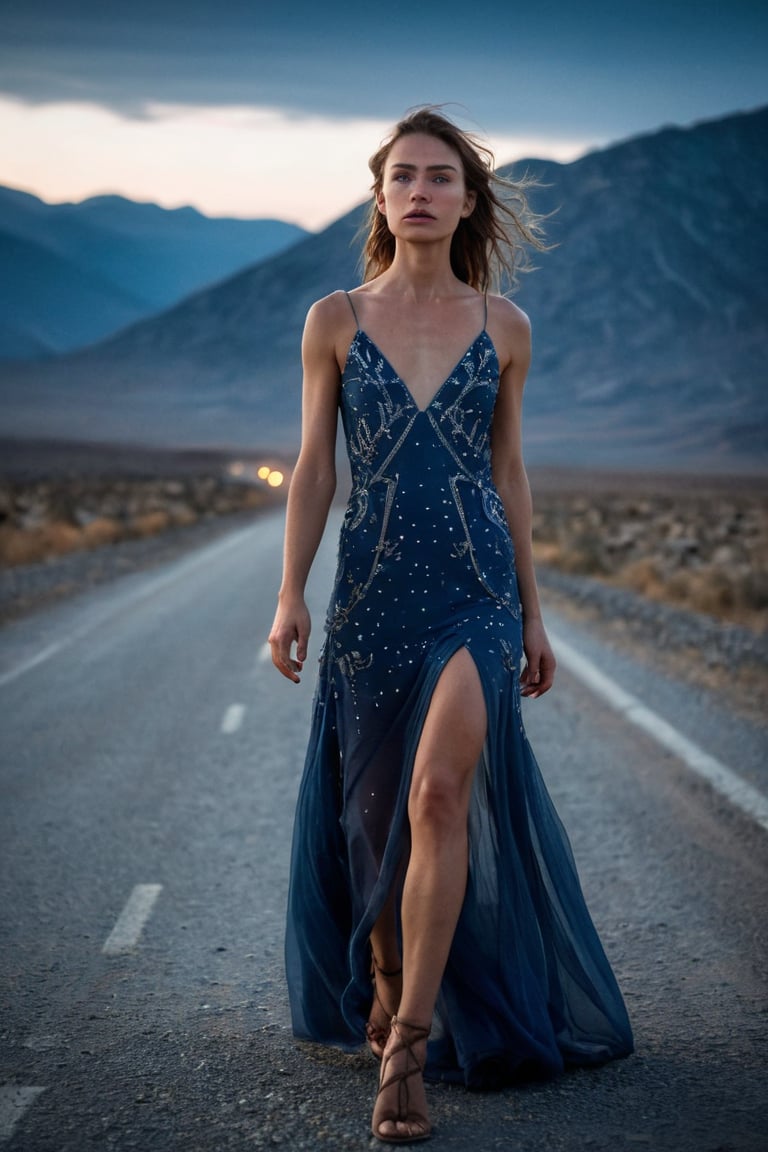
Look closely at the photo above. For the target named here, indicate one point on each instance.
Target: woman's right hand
(291, 626)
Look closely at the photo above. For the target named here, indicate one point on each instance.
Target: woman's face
(423, 194)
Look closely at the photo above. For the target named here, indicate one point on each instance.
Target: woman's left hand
(539, 672)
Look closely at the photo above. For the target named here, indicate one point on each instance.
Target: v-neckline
(398, 377)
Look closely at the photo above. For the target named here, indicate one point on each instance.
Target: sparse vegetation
(41, 519)
(701, 545)
(680, 540)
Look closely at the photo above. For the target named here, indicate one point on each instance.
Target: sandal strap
(404, 1043)
(379, 971)
(376, 971)
(422, 1033)
(403, 1112)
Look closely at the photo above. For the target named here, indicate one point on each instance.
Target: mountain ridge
(649, 322)
(103, 263)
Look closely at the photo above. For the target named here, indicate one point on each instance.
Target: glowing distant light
(236, 468)
(263, 472)
(275, 479)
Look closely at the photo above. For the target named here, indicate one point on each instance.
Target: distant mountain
(71, 274)
(650, 334)
(651, 316)
(48, 302)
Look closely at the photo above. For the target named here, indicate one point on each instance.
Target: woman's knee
(450, 748)
(439, 798)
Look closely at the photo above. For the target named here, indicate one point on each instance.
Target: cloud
(597, 68)
(254, 107)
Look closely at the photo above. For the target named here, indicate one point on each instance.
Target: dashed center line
(233, 718)
(722, 778)
(130, 924)
(15, 1099)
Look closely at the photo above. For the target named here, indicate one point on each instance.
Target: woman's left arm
(514, 348)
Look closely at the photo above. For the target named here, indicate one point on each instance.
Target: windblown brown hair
(489, 247)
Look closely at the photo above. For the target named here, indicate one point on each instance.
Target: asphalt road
(150, 761)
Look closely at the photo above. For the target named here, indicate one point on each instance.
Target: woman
(433, 893)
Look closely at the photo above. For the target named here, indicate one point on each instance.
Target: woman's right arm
(312, 486)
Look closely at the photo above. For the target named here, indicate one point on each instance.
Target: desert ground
(699, 542)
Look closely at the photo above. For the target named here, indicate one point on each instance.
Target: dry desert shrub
(702, 589)
(668, 539)
(29, 546)
(584, 555)
(102, 530)
(547, 552)
(643, 576)
(739, 593)
(719, 592)
(149, 523)
(182, 515)
(44, 518)
(253, 498)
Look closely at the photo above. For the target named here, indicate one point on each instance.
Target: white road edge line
(180, 569)
(233, 718)
(27, 665)
(722, 778)
(15, 1099)
(130, 923)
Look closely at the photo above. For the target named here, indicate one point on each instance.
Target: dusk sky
(266, 108)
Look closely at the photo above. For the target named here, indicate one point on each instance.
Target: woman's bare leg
(384, 943)
(387, 975)
(450, 747)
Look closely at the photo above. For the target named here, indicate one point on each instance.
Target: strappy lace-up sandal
(378, 1035)
(417, 1122)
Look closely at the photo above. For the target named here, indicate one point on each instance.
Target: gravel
(723, 644)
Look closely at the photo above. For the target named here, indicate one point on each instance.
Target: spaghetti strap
(485, 313)
(349, 298)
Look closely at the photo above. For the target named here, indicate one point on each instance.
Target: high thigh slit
(454, 729)
(425, 568)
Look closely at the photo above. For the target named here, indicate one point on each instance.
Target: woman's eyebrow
(430, 167)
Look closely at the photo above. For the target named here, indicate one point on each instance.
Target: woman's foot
(400, 1113)
(387, 990)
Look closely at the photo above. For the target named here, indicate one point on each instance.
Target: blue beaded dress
(425, 567)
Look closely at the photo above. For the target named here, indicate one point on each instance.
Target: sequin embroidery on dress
(425, 567)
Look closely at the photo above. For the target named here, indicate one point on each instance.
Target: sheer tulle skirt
(527, 988)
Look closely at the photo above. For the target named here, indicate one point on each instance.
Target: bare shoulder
(329, 326)
(330, 312)
(510, 329)
(505, 312)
